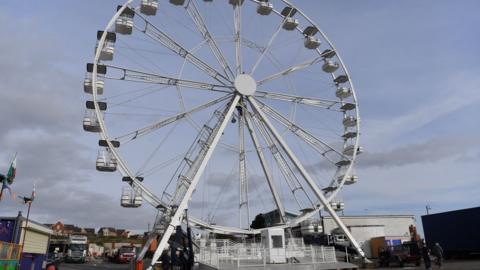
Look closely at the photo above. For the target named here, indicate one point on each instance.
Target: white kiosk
(274, 243)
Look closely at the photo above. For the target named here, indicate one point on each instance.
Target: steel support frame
(172, 119)
(288, 174)
(203, 29)
(266, 169)
(306, 176)
(176, 220)
(320, 146)
(168, 42)
(243, 196)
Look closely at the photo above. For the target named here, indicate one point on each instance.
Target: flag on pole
(12, 171)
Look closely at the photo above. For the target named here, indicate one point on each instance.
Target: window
(277, 241)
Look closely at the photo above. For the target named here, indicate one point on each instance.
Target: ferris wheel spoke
(333, 105)
(265, 168)
(291, 69)
(168, 42)
(266, 49)
(158, 125)
(311, 183)
(288, 175)
(243, 196)
(320, 146)
(145, 77)
(237, 16)
(203, 29)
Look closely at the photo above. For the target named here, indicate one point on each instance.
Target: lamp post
(29, 202)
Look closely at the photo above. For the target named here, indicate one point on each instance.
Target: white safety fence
(224, 253)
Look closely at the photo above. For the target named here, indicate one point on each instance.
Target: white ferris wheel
(226, 108)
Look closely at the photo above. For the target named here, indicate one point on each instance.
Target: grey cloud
(427, 151)
(431, 150)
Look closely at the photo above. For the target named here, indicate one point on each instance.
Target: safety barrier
(231, 254)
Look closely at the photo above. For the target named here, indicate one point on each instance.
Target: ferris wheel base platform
(297, 266)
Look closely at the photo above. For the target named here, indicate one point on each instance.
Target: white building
(395, 228)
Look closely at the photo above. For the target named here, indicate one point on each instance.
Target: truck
(457, 232)
(76, 251)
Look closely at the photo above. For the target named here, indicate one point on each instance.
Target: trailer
(457, 232)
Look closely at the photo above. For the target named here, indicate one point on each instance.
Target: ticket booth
(274, 243)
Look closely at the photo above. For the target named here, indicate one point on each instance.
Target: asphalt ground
(448, 265)
(94, 266)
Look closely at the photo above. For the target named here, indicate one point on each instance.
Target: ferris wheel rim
(126, 172)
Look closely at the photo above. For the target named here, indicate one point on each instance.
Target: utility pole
(29, 201)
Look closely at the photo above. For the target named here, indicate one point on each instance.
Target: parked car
(125, 254)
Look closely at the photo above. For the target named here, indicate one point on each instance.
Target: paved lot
(94, 266)
(448, 265)
(456, 265)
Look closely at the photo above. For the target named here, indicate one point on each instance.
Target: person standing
(437, 251)
(165, 260)
(426, 257)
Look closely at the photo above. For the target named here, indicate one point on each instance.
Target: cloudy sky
(414, 64)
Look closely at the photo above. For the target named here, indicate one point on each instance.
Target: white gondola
(311, 227)
(311, 42)
(106, 162)
(90, 122)
(350, 135)
(106, 54)
(350, 180)
(330, 66)
(343, 92)
(100, 82)
(290, 23)
(340, 79)
(337, 206)
(343, 162)
(131, 198)
(149, 7)
(264, 8)
(349, 121)
(348, 106)
(328, 53)
(124, 22)
(350, 149)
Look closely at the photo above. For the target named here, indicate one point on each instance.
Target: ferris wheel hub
(245, 84)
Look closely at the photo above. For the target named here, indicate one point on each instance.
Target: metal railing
(231, 254)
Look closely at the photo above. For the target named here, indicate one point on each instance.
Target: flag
(12, 171)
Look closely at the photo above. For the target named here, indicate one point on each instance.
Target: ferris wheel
(222, 107)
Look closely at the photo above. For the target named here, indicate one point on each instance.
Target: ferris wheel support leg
(307, 178)
(144, 250)
(266, 170)
(178, 216)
